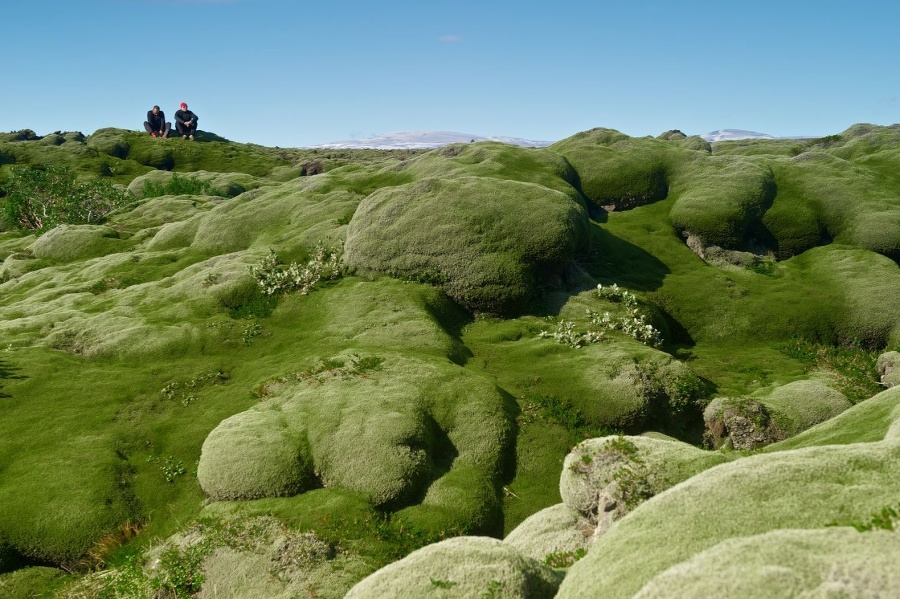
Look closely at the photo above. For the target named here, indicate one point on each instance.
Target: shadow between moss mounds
(7, 372)
(614, 260)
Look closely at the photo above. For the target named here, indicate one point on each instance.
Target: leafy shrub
(39, 198)
(180, 570)
(274, 278)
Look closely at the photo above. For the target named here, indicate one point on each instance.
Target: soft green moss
(462, 567)
(788, 563)
(808, 488)
(490, 243)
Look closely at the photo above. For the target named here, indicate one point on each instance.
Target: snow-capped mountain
(734, 134)
(424, 140)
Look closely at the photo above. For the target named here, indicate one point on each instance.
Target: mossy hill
(274, 372)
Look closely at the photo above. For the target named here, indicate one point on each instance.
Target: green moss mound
(66, 243)
(866, 422)
(491, 243)
(839, 562)
(807, 489)
(799, 405)
(32, 582)
(273, 462)
(408, 427)
(721, 202)
(495, 161)
(889, 368)
(557, 529)
(462, 567)
(615, 171)
(605, 478)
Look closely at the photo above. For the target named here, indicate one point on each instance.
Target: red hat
(183, 105)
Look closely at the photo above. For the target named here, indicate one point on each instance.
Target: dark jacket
(157, 121)
(186, 116)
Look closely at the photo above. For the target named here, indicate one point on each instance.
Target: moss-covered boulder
(67, 243)
(605, 478)
(557, 530)
(739, 423)
(411, 433)
(836, 562)
(461, 567)
(797, 406)
(491, 243)
(889, 368)
(809, 488)
(722, 199)
(617, 172)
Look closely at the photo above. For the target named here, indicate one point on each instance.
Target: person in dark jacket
(186, 122)
(156, 124)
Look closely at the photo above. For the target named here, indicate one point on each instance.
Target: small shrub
(39, 198)
(275, 278)
(634, 323)
(567, 335)
(180, 570)
(252, 330)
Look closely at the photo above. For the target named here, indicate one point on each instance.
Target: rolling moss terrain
(274, 372)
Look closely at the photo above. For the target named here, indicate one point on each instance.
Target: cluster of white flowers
(567, 335)
(614, 293)
(634, 323)
(273, 277)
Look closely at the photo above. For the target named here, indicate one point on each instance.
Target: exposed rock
(889, 368)
(739, 423)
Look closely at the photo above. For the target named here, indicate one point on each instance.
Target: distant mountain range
(734, 134)
(424, 140)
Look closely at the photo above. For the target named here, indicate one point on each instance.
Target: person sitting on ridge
(156, 124)
(186, 122)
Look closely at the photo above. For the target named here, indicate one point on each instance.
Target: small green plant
(564, 559)
(443, 584)
(634, 323)
(566, 334)
(274, 277)
(172, 468)
(493, 590)
(180, 571)
(185, 391)
(762, 265)
(887, 519)
(252, 330)
(558, 411)
(855, 369)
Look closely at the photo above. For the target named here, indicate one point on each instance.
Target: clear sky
(296, 73)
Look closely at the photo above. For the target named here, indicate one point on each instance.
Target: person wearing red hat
(186, 122)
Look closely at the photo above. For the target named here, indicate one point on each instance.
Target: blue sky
(291, 73)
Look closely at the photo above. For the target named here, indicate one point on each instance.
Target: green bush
(39, 198)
